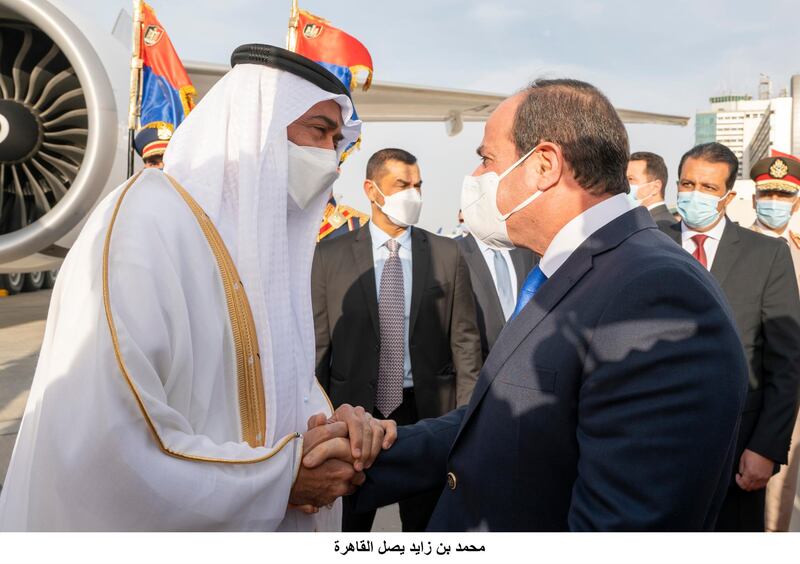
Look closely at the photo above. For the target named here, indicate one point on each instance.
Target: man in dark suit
(395, 317)
(757, 276)
(647, 176)
(496, 276)
(611, 399)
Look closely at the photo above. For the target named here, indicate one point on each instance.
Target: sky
(659, 56)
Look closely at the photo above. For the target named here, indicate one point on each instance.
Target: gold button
(451, 481)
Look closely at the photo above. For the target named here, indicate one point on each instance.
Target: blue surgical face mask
(698, 210)
(632, 194)
(774, 213)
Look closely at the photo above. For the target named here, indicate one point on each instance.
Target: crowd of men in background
(405, 318)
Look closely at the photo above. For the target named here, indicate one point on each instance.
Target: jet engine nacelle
(63, 128)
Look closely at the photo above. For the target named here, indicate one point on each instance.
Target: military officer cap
(152, 139)
(778, 174)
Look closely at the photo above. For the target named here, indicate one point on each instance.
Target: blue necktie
(531, 285)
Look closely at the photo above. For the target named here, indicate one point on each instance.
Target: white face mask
(311, 171)
(403, 207)
(479, 206)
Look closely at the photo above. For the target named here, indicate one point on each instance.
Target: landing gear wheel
(50, 279)
(12, 282)
(33, 281)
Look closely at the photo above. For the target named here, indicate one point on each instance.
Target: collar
(651, 207)
(716, 233)
(580, 228)
(764, 230)
(483, 246)
(379, 237)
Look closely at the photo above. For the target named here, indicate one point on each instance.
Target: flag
(167, 91)
(340, 53)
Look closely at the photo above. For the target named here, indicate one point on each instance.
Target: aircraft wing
(391, 102)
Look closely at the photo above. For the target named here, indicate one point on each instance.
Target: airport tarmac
(22, 321)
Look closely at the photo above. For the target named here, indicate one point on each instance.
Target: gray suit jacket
(611, 402)
(757, 275)
(491, 319)
(662, 217)
(444, 343)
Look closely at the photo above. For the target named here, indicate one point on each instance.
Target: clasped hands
(336, 452)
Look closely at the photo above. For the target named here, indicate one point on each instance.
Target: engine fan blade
(39, 195)
(65, 118)
(37, 71)
(73, 135)
(56, 184)
(67, 168)
(3, 86)
(64, 98)
(16, 72)
(65, 150)
(20, 198)
(54, 82)
(2, 193)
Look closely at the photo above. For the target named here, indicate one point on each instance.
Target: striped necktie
(391, 320)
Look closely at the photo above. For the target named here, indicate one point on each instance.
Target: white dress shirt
(488, 257)
(380, 252)
(710, 245)
(580, 228)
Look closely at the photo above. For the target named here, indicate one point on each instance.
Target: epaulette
(336, 216)
(795, 237)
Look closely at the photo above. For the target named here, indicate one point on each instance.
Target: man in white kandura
(166, 398)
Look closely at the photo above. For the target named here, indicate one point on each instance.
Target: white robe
(89, 456)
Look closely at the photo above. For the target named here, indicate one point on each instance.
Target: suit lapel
(477, 263)
(365, 266)
(518, 329)
(727, 252)
(420, 265)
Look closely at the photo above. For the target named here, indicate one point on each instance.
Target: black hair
(579, 118)
(377, 160)
(714, 153)
(655, 168)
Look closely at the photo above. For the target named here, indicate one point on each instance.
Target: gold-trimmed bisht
(252, 404)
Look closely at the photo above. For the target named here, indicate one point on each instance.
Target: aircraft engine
(59, 130)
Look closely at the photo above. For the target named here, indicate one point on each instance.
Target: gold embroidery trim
(251, 396)
(252, 410)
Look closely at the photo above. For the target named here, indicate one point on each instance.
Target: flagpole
(136, 75)
(291, 36)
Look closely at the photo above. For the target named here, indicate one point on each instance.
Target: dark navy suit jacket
(612, 402)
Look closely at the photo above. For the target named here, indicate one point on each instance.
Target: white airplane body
(81, 154)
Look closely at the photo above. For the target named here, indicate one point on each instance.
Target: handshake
(336, 452)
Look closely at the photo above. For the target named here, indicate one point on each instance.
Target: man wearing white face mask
(395, 317)
(758, 278)
(592, 409)
(175, 385)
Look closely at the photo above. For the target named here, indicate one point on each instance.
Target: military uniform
(778, 174)
(152, 139)
(338, 220)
